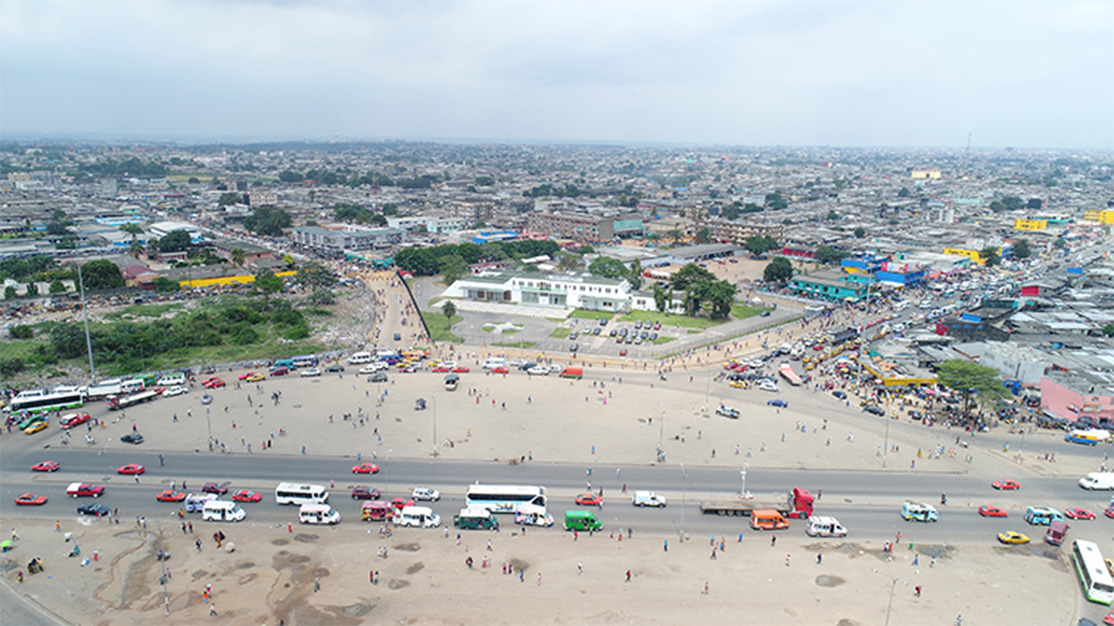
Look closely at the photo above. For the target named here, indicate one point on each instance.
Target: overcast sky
(747, 72)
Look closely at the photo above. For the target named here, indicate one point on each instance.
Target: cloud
(756, 72)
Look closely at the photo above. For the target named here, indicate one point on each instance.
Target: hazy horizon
(1030, 75)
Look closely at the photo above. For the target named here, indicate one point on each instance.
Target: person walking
(819, 559)
(316, 584)
(628, 576)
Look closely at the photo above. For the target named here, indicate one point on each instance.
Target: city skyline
(855, 74)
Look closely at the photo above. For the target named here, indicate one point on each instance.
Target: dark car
(778, 402)
(132, 438)
(98, 510)
(765, 313)
(612, 333)
(876, 410)
(527, 366)
(377, 377)
(363, 492)
(839, 394)
(280, 371)
(216, 488)
(574, 347)
(335, 367)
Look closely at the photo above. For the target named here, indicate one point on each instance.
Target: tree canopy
(426, 261)
(779, 270)
(828, 255)
(760, 244)
(268, 221)
(101, 274)
(972, 381)
(991, 256)
(1021, 249)
(689, 275)
(608, 267)
(175, 241)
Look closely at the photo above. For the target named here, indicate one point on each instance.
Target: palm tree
(238, 257)
(135, 249)
(449, 309)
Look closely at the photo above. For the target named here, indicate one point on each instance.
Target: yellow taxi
(36, 427)
(256, 377)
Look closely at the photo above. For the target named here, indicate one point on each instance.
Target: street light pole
(743, 480)
(684, 496)
(85, 315)
(434, 401)
(893, 587)
(886, 450)
(209, 424)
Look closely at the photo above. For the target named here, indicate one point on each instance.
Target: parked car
(246, 495)
(93, 508)
(176, 390)
(313, 371)
(334, 368)
(425, 493)
(133, 438)
(363, 492)
(216, 488)
(778, 402)
(874, 409)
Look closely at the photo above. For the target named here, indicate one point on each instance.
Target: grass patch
(432, 303)
(743, 311)
(661, 340)
(554, 319)
(585, 314)
(522, 344)
(143, 310)
(319, 312)
(560, 332)
(21, 348)
(692, 331)
(511, 331)
(440, 327)
(671, 319)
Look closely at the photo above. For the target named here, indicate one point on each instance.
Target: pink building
(1072, 397)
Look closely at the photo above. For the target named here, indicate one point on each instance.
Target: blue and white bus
(504, 498)
(44, 400)
(1093, 575)
(306, 360)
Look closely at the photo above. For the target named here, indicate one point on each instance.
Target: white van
(195, 502)
(132, 386)
(171, 379)
(901, 305)
(1097, 480)
(419, 516)
(318, 514)
(824, 526)
(494, 362)
(222, 511)
(359, 358)
(647, 498)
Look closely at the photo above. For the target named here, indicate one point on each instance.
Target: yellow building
(926, 174)
(970, 254)
(1030, 225)
(1100, 216)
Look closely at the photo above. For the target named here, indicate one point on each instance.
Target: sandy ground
(424, 579)
(270, 576)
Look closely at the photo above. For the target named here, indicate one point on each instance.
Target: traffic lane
(232, 469)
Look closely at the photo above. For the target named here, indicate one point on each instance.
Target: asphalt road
(866, 503)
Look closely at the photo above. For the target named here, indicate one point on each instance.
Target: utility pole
(85, 315)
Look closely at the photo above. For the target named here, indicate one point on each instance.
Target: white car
(425, 493)
(540, 370)
(313, 371)
(768, 386)
(374, 367)
(176, 390)
(556, 369)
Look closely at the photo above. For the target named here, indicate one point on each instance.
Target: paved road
(866, 502)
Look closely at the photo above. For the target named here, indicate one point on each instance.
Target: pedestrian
(628, 576)
(489, 549)
(190, 524)
(213, 610)
(917, 591)
(933, 562)
(316, 584)
(522, 575)
(916, 559)
(539, 579)
(773, 541)
(579, 569)
(820, 559)
(665, 546)
(787, 560)
(198, 544)
(57, 526)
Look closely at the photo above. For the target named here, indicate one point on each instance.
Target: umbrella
(6, 545)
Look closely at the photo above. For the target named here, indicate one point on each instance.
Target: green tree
(24, 331)
(288, 176)
(9, 292)
(132, 229)
(101, 274)
(832, 215)
(237, 255)
(175, 241)
(780, 270)
(194, 180)
(268, 221)
(267, 283)
(991, 256)
(721, 295)
(1108, 330)
(860, 232)
(32, 288)
(635, 275)
(661, 298)
(453, 268)
(904, 193)
(973, 381)
(135, 249)
(11, 367)
(688, 276)
(703, 235)
(165, 285)
(674, 234)
(322, 296)
(775, 202)
(760, 244)
(230, 197)
(608, 267)
(1021, 249)
(448, 310)
(731, 211)
(1060, 243)
(313, 274)
(828, 255)
(56, 287)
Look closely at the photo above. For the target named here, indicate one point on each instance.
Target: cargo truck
(116, 403)
(797, 503)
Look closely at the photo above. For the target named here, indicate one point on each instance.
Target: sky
(887, 73)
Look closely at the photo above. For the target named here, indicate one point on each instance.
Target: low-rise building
(537, 289)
